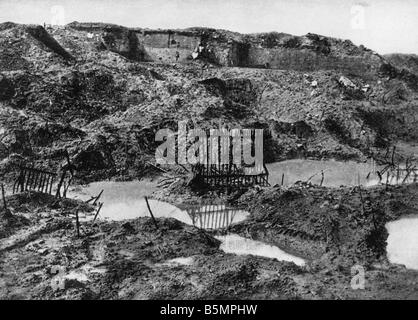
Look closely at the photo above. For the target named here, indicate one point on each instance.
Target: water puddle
(402, 243)
(125, 200)
(336, 173)
(186, 261)
(114, 191)
(83, 274)
(236, 244)
(77, 275)
(182, 261)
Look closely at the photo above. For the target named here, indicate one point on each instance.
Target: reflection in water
(402, 243)
(399, 176)
(336, 173)
(233, 243)
(125, 200)
(215, 217)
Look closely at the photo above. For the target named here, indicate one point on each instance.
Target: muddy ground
(65, 94)
(42, 257)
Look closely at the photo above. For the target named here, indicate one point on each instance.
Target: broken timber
(34, 179)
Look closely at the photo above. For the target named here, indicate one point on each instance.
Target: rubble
(350, 90)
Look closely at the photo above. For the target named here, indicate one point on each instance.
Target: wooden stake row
(212, 217)
(230, 176)
(35, 180)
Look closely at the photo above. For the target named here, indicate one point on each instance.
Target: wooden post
(35, 182)
(223, 219)
(200, 219)
(380, 176)
(64, 192)
(282, 178)
(28, 179)
(192, 214)
(387, 153)
(398, 171)
(152, 216)
(16, 184)
(4, 198)
(50, 185)
(98, 210)
(32, 178)
(70, 166)
(393, 155)
(212, 217)
(98, 197)
(387, 180)
(77, 223)
(22, 181)
(58, 194)
(41, 181)
(407, 174)
(47, 183)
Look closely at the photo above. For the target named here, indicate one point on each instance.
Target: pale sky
(385, 26)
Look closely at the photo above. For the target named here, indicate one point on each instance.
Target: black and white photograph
(207, 150)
